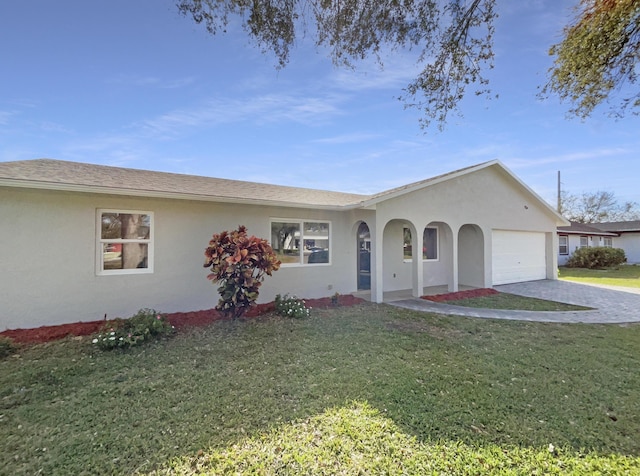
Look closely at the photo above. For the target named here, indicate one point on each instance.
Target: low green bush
(596, 258)
(145, 325)
(291, 306)
(7, 347)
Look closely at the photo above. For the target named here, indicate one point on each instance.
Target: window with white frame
(607, 242)
(125, 242)
(407, 247)
(563, 244)
(430, 243)
(584, 241)
(301, 242)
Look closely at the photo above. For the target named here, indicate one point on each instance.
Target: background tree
(454, 38)
(239, 262)
(597, 207)
(598, 56)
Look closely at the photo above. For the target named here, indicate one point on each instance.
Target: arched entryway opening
(471, 256)
(438, 255)
(363, 237)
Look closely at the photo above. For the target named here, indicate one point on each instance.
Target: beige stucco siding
(48, 257)
(488, 199)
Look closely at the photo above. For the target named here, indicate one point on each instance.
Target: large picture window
(301, 242)
(125, 242)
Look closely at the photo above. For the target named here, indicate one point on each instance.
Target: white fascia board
(155, 194)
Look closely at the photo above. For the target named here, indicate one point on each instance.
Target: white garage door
(518, 256)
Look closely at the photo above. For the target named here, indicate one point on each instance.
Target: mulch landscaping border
(179, 320)
(468, 294)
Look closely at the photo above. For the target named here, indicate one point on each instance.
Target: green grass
(363, 390)
(627, 276)
(514, 302)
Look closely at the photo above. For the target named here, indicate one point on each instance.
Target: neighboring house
(81, 241)
(619, 234)
(581, 235)
(627, 237)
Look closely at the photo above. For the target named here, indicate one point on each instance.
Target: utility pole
(559, 195)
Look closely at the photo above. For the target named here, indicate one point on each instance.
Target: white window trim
(437, 244)
(566, 237)
(580, 242)
(407, 260)
(424, 260)
(100, 271)
(301, 222)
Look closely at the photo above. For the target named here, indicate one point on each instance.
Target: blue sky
(135, 84)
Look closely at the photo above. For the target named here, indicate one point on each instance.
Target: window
(407, 247)
(607, 242)
(301, 242)
(584, 241)
(430, 244)
(125, 242)
(563, 241)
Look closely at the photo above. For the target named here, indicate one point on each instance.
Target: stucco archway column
(377, 246)
(417, 264)
(453, 282)
(551, 245)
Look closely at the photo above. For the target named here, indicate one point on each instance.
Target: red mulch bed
(178, 319)
(468, 294)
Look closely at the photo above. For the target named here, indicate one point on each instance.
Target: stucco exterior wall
(630, 243)
(489, 199)
(48, 255)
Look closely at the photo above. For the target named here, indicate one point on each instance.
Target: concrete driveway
(610, 305)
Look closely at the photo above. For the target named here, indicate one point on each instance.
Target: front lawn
(626, 275)
(369, 389)
(514, 302)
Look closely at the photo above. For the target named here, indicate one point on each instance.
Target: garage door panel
(518, 256)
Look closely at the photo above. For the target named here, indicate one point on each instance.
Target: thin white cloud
(5, 117)
(135, 80)
(260, 109)
(519, 163)
(347, 138)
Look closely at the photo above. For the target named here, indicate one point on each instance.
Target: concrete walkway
(610, 306)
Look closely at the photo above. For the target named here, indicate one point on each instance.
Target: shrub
(145, 325)
(239, 263)
(7, 347)
(596, 258)
(291, 306)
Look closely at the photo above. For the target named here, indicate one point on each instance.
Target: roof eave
(63, 187)
(594, 233)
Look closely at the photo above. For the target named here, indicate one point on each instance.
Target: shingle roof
(58, 174)
(619, 226)
(81, 177)
(584, 229)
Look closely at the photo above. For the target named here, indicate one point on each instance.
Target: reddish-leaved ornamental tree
(239, 263)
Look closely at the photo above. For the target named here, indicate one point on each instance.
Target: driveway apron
(610, 305)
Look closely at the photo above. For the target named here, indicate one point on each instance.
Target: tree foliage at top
(598, 57)
(454, 38)
(597, 207)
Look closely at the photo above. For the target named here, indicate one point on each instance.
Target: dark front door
(364, 257)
